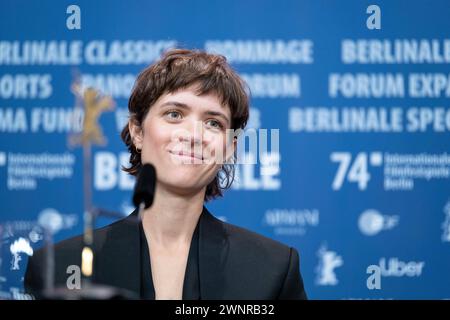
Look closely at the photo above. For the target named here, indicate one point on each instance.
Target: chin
(188, 179)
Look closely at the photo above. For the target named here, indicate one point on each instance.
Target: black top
(191, 285)
(225, 262)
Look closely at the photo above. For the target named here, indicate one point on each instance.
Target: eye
(173, 115)
(214, 124)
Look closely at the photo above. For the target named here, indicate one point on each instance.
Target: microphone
(142, 198)
(144, 189)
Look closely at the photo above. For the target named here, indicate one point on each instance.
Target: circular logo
(370, 222)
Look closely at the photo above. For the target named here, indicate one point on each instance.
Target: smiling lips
(187, 154)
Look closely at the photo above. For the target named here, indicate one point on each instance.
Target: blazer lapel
(118, 260)
(213, 253)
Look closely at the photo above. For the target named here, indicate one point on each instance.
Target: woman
(183, 113)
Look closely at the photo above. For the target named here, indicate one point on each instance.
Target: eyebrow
(185, 106)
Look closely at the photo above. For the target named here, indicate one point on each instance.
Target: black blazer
(233, 263)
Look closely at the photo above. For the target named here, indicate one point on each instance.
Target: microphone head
(144, 189)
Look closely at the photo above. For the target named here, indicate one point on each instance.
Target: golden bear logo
(94, 106)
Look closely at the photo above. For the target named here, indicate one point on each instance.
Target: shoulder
(68, 251)
(249, 257)
(252, 239)
(250, 245)
(76, 243)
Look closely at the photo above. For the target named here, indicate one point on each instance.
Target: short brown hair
(179, 69)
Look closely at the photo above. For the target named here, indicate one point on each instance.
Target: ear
(135, 133)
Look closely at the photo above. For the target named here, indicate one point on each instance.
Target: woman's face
(185, 137)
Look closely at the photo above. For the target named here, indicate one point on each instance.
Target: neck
(172, 218)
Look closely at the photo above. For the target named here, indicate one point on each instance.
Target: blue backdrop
(359, 93)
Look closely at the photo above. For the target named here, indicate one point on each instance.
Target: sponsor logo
(393, 267)
(371, 222)
(291, 222)
(328, 262)
(19, 246)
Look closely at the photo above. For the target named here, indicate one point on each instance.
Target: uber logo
(392, 267)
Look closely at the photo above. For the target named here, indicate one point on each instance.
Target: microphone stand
(93, 107)
(49, 284)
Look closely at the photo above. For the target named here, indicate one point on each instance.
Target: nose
(191, 134)
(191, 139)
